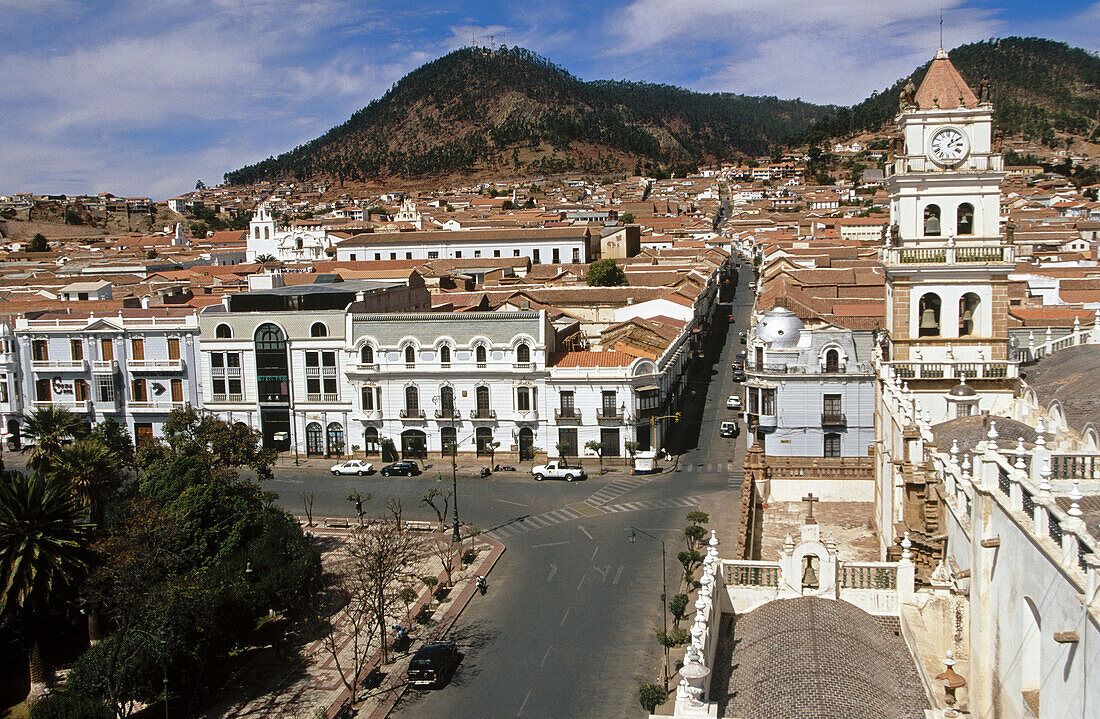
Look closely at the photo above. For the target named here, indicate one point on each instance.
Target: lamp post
(634, 531)
(456, 536)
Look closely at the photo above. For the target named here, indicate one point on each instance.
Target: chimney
(145, 302)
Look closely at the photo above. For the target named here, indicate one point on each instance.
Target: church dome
(779, 327)
(962, 390)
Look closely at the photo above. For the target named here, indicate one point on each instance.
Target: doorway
(526, 444)
(315, 441)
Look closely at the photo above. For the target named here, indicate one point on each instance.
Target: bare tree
(307, 503)
(383, 559)
(446, 551)
(435, 495)
(348, 631)
(393, 506)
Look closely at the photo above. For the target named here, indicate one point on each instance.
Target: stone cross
(810, 499)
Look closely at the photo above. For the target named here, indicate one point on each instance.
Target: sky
(145, 98)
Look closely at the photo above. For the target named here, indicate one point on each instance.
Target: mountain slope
(1039, 87)
(511, 110)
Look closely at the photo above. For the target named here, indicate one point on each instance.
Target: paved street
(567, 625)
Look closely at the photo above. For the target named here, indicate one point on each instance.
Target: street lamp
(438, 401)
(664, 589)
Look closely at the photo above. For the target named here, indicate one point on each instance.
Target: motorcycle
(504, 468)
(481, 585)
(485, 471)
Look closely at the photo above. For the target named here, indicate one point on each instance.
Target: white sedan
(733, 402)
(353, 466)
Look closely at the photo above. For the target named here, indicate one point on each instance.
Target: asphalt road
(566, 628)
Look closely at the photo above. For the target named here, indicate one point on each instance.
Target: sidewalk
(467, 468)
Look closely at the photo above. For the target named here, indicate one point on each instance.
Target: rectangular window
(80, 390)
(177, 390)
(352, 257)
(137, 348)
(106, 350)
(458, 254)
(236, 388)
(3, 389)
(433, 254)
(173, 348)
(77, 349)
(368, 398)
(515, 253)
(218, 385)
(767, 401)
(557, 256)
(40, 351)
(607, 405)
(313, 359)
(105, 389)
(567, 438)
(576, 255)
(496, 253)
(393, 255)
(648, 399)
(523, 399)
(831, 404)
(313, 386)
(137, 391)
(377, 256)
(477, 253)
(408, 255)
(832, 445)
(535, 256)
(567, 402)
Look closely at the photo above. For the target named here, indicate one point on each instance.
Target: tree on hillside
(38, 243)
(605, 273)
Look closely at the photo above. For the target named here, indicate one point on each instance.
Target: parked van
(729, 429)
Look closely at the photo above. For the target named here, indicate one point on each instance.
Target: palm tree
(43, 554)
(49, 428)
(89, 470)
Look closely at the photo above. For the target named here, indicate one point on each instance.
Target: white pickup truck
(557, 470)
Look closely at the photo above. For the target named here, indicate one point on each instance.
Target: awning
(647, 388)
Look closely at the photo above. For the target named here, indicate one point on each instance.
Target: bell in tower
(932, 221)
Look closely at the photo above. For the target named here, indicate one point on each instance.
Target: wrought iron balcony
(448, 414)
(567, 415)
(483, 414)
(833, 419)
(408, 413)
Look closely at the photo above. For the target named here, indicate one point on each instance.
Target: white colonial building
(291, 245)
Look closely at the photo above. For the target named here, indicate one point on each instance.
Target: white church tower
(946, 261)
(261, 234)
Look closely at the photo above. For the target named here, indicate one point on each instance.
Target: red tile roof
(944, 88)
(613, 358)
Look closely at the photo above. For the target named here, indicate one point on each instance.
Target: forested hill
(509, 110)
(1039, 87)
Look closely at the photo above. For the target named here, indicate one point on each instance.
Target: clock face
(949, 145)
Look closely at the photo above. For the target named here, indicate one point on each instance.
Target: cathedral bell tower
(946, 262)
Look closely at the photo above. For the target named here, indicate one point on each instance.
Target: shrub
(651, 696)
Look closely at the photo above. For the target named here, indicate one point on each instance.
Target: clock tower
(946, 262)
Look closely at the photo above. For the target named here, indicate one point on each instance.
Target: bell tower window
(964, 223)
(929, 315)
(968, 314)
(932, 221)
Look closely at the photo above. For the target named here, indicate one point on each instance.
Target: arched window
(929, 316)
(480, 355)
(523, 353)
(410, 355)
(964, 222)
(269, 338)
(318, 330)
(334, 439)
(445, 354)
(366, 355)
(256, 234)
(370, 440)
(446, 401)
(298, 243)
(932, 220)
(832, 361)
(448, 441)
(484, 438)
(481, 407)
(412, 401)
(968, 314)
(267, 233)
(223, 332)
(368, 398)
(315, 441)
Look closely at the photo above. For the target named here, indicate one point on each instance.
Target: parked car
(402, 468)
(556, 470)
(740, 358)
(737, 364)
(730, 429)
(752, 285)
(733, 402)
(738, 375)
(433, 663)
(353, 466)
(744, 337)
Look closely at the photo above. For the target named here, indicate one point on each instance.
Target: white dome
(779, 327)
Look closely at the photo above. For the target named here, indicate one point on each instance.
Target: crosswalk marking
(565, 514)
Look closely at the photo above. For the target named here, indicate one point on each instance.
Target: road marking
(549, 544)
(581, 582)
(566, 616)
(505, 501)
(521, 706)
(553, 571)
(603, 572)
(617, 575)
(584, 531)
(594, 554)
(547, 654)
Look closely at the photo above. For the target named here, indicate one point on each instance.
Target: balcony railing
(322, 397)
(955, 370)
(483, 414)
(227, 398)
(71, 405)
(154, 406)
(154, 365)
(833, 419)
(407, 413)
(59, 365)
(567, 414)
(448, 414)
(607, 415)
(104, 366)
(949, 255)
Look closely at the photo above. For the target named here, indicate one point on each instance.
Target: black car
(402, 469)
(433, 663)
(744, 338)
(738, 375)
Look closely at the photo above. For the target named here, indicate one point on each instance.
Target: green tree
(651, 696)
(187, 431)
(597, 449)
(44, 556)
(562, 448)
(690, 559)
(151, 254)
(38, 243)
(199, 230)
(265, 258)
(508, 205)
(88, 468)
(677, 606)
(605, 273)
(117, 440)
(627, 218)
(698, 517)
(49, 428)
(68, 705)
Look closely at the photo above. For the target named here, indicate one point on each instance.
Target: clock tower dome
(946, 262)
